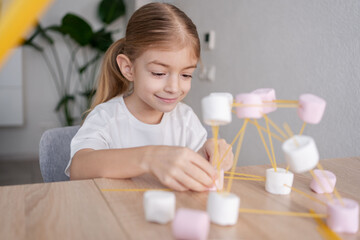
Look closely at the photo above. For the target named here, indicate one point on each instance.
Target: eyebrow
(167, 66)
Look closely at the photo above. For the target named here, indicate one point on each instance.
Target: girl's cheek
(187, 86)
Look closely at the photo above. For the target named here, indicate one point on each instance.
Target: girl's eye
(187, 76)
(158, 74)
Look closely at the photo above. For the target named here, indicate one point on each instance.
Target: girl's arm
(179, 168)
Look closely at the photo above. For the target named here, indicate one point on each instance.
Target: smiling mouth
(168, 100)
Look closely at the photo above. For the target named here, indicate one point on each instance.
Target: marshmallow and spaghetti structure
(300, 151)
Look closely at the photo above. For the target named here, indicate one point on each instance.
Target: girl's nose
(172, 84)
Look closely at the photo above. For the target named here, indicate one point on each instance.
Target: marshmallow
(250, 111)
(219, 182)
(159, 206)
(343, 219)
(324, 177)
(311, 108)
(268, 96)
(191, 224)
(275, 181)
(216, 109)
(301, 153)
(223, 208)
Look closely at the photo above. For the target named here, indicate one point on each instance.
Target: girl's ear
(126, 66)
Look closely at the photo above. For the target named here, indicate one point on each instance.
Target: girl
(137, 123)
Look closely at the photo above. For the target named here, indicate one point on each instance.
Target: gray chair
(54, 153)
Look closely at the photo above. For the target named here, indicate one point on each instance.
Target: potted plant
(75, 83)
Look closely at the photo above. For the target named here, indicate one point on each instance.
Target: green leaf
(77, 28)
(101, 40)
(64, 101)
(110, 10)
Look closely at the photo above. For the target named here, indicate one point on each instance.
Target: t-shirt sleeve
(197, 134)
(94, 134)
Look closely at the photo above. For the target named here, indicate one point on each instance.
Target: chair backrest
(54, 153)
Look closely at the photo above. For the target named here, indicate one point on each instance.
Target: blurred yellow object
(15, 21)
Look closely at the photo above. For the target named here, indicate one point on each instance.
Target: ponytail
(111, 81)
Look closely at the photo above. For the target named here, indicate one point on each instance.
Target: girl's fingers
(204, 165)
(199, 175)
(174, 184)
(189, 182)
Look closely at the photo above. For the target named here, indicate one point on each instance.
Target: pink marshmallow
(268, 96)
(251, 111)
(191, 224)
(219, 182)
(324, 177)
(311, 108)
(343, 219)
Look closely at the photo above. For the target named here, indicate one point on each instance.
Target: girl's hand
(181, 168)
(208, 152)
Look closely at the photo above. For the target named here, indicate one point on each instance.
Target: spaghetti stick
(324, 230)
(263, 140)
(271, 144)
(277, 128)
(283, 101)
(290, 214)
(215, 132)
(288, 129)
(328, 196)
(291, 134)
(306, 195)
(245, 178)
(247, 175)
(232, 143)
(302, 128)
(237, 154)
(286, 105)
(266, 105)
(337, 194)
(133, 190)
(272, 134)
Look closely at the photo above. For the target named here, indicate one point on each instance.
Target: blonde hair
(153, 26)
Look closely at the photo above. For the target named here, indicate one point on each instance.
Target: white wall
(292, 46)
(309, 46)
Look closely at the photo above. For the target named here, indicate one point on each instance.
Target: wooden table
(80, 210)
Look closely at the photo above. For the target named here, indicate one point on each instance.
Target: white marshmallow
(216, 109)
(275, 181)
(223, 208)
(301, 153)
(159, 206)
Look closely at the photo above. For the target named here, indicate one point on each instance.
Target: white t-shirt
(110, 125)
